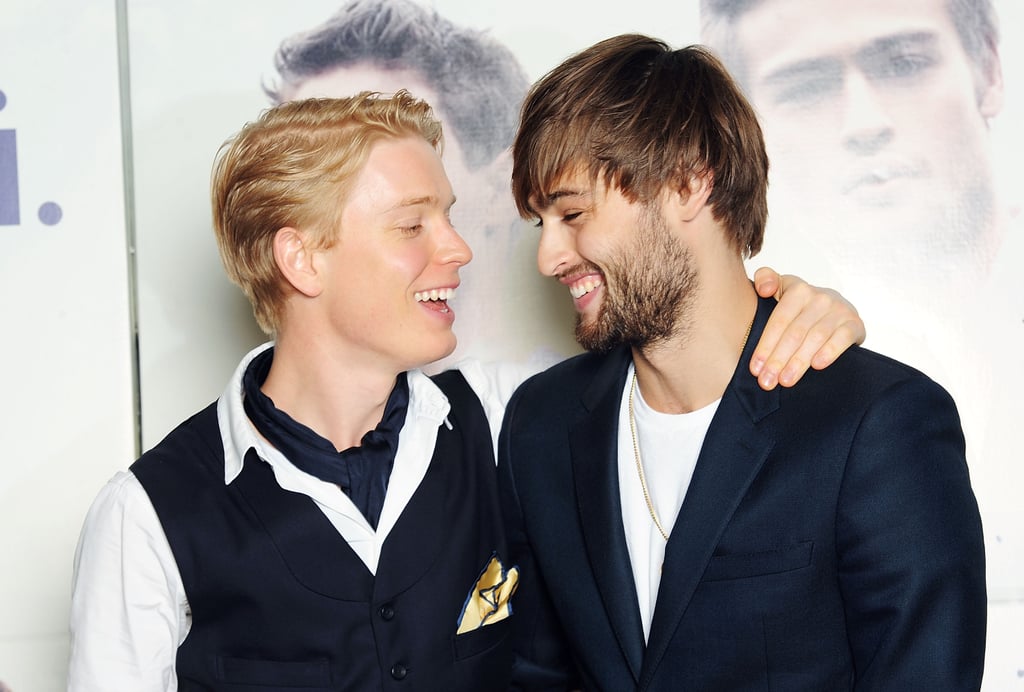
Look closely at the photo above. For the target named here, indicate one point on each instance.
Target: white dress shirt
(129, 613)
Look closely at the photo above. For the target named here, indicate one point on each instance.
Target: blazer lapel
(593, 441)
(730, 458)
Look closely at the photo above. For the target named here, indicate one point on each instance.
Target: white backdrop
(66, 415)
(196, 70)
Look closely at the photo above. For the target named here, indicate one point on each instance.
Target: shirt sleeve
(494, 384)
(129, 613)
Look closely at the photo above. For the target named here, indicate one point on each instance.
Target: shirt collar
(238, 435)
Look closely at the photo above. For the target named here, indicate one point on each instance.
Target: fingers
(810, 327)
(766, 282)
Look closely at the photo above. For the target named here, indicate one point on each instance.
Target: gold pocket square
(490, 598)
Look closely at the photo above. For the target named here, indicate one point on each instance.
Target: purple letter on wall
(9, 214)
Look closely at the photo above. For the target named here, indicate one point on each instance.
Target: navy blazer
(829, 538)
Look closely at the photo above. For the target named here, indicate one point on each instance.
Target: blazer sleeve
(542, 658)
(911, 551)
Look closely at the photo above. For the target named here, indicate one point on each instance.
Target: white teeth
(578, 290)
(434, 294)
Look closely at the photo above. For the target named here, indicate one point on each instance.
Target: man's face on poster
(876, 125)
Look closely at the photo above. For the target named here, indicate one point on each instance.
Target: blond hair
(294, 167)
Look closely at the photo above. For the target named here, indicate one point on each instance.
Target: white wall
(66, 412)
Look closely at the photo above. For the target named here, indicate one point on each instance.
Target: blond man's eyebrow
(415, 201)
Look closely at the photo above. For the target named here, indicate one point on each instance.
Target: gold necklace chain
(639, 465)
(636, 447)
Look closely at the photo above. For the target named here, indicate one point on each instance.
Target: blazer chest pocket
(469, 644)
(745, 565)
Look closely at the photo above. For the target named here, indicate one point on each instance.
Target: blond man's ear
(296, 261)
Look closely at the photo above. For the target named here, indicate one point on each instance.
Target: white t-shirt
(669, 446)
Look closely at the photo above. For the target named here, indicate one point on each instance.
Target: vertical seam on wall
(128, 182)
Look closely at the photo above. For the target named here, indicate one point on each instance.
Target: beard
(649, 289)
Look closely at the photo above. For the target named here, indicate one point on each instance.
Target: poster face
(891, 180)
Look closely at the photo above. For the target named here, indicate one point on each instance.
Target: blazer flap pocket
(743, 565)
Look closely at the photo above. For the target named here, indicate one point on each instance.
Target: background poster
(132, 258)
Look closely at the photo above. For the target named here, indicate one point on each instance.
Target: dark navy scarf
(362, 472)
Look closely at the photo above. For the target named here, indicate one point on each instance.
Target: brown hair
(294, 167)
(643, 116)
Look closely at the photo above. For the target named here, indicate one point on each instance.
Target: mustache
(579, 269)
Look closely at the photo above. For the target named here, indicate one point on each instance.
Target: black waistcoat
(281, 602)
